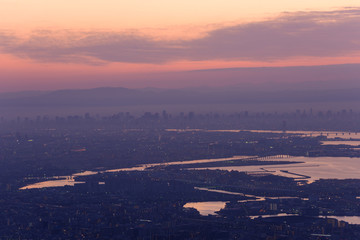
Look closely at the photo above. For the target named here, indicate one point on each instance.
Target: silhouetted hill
(103, 97)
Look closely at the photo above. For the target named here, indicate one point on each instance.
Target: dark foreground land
(149, 204)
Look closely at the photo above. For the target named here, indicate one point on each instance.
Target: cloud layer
(319, 34)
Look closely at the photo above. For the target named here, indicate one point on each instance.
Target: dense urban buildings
(158, 176)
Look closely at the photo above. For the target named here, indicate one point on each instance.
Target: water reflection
(349, 143)
(253, 198)
(70, 181)
(211, 208)
(348, 219)
(145, 166)
(206, 208)
(274, 215)
(256, 198)
(310, 168)
(329, 134)
(67, 181)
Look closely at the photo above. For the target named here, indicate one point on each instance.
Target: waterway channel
(307, 168)
(61, 181)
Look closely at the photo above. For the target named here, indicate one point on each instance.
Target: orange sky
(25, 15)
(75, 38)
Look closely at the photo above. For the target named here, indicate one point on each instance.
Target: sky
(62, 44)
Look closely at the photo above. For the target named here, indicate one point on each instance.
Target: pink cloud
(302, 34)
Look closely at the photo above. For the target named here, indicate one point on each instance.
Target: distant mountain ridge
(110, 96)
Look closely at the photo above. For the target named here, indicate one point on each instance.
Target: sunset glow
(62, 44)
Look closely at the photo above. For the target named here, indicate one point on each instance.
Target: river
(328, 134)
(308, 168)
(61, 181)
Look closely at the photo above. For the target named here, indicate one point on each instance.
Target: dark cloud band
(318, 34)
